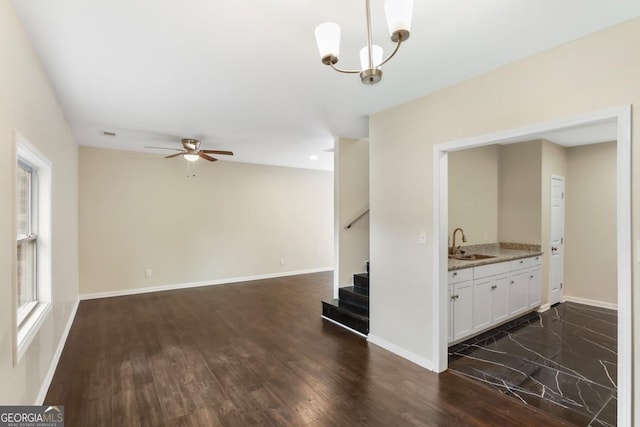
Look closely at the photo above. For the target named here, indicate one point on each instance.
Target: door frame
(561, 178)
(622, 116)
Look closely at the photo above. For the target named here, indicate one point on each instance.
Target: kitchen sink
(471, 257)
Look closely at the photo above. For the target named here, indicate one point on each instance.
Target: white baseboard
(594, 303)
(344, 326)
(405, 354)
(161, 288)
(56, 356)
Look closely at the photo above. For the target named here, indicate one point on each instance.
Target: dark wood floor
(253, 354)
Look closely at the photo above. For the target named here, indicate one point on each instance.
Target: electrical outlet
(147, 272)
(422, 237)
(486, 236)
(281, 261)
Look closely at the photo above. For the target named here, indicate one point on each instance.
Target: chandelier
(398, 14)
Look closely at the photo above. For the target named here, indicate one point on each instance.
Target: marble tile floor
(562, 361)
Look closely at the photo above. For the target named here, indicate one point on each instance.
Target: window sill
(25, 311)
(30, 328)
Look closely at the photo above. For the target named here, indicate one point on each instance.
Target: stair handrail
(363, 213)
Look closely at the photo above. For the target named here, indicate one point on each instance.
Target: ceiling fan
(191, 151)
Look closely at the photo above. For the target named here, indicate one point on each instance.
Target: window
(33, 243)
(27, 228)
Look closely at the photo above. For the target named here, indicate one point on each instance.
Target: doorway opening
(621, 118)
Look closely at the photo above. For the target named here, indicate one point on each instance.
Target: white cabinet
(518, 291)
(460, 302)
(462, 313)
(462, 275)
(535, 283)
(484, 296)
(482, 303)
(499, 299)
(534, 287)
(490, 287)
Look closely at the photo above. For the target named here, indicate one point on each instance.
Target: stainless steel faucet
(453, 248)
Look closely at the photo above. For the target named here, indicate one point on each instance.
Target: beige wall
(519, 193)
(554, 162)
(352, 198)
(140, 211)
(590, 74)
(473, 194)
(28, 105)
(590, 224)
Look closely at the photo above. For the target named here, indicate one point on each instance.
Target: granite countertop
(501, 251)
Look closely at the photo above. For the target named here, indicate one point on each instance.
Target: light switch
(422, 237)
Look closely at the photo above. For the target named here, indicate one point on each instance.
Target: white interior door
(556, 251)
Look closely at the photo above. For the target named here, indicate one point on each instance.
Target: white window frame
(29, 319)
(25, 310)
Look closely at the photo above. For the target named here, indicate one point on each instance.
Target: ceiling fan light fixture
(191, 157)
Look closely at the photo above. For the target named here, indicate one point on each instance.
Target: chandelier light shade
(364, 56)
(398, 14)
(191, 157)
(328, 39)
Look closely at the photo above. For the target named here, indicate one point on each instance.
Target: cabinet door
(500, 299)
(463, 310)
(451, 310)
(482, 303)
(534, 287)
(518, 292)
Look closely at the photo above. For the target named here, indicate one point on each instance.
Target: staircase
(351, 309)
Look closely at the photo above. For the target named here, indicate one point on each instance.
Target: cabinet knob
(512, 282)
(531, 277)
(521, 262)
(494, 286)
(455, 273)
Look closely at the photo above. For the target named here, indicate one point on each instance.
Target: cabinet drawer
(518, 264)
(535, 260)
(456, 276)
(490, 270)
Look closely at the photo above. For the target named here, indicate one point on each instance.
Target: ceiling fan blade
(226, 153)
(175, 155)
(163, 148)
(204, 156)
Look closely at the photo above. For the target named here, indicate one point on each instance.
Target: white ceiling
(589, 134)
(246, 76)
